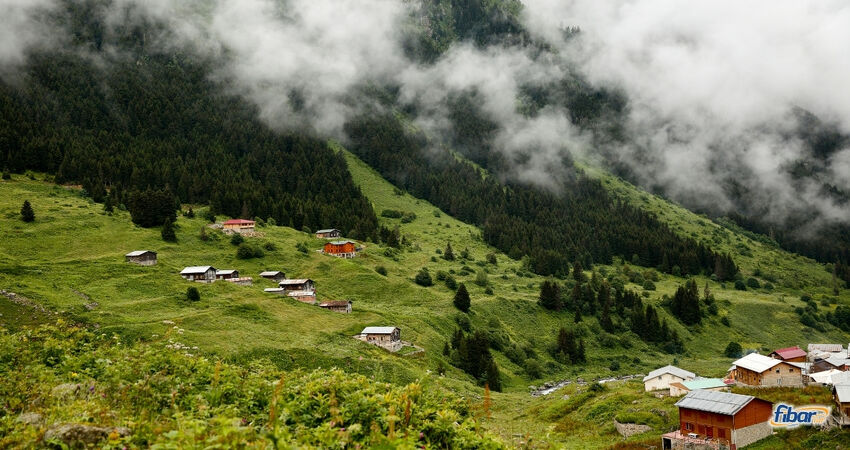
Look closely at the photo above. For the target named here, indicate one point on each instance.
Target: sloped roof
(238, 222)
(139, 252)
(826, 347)
(341, 242)
(378, 330)
(715, 402)
(842, 391)
(301, 293)
(294, 281)
(273, 290)
(328, 230)
(842, 378)
(790, 352)
(757, 363)
(704, 383)
(673, 370)
(335, 303)
(826, 376)
(225, 271)
(838, 360)
(270, 273)
(196, 269)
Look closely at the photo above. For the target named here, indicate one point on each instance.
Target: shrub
(733, 350)
(192, 294)
(270, 246)
(451, 283)
(533, 369)
(491, 259)
(739, 285)
(615, 366)
(167, 232)
(381, 270)
(423, 278)
(6, 174)
(202, 235)
(248, 251)
(753, 283)
(237, 239)
(391, 213)
(209, 216)
(481, 278)
(408, 217)
(648, 285)
(190, 213)
(301, 247)
(461, 300)
(725, 321)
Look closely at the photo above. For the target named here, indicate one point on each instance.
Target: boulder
(73, 433)
(30, 418)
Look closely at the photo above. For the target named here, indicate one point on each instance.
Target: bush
(615, 366)
(408, 217)
(167, 232)
(392, 214)
(209, 216)
(381, 270)
(648, 285)
(451, 283)
(237, 239)
(202, 235)
(301, 247)
(533, 369)
(270, 246)
(725, 321)
(733, 350)
(192, 294)
(6, 174)
(248, 251)
(739, 285)
(423, 278)
(481, 278)
(752, 283)
(461, 300)
(190, 213)
(491, 259)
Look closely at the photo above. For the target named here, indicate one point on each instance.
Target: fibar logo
(789, 416)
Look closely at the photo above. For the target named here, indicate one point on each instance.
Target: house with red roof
(790, 354)
(238, 225)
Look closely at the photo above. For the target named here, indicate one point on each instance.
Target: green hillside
(71, 260)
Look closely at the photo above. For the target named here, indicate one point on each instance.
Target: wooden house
(202, 274)
(837, 361)
(141, 257)
(679, 389)
(824, 351)
(303, 296)
(841, 397)
(660, 379)
(238, 225)
(708, 419)
(341, 249)
(275, 275)
(298, 284)
(330, 233)
(792, 354)
(341, 306)
(388, 338)
(759, 370)
(226, 274)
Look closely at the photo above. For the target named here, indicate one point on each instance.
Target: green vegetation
(27, 214)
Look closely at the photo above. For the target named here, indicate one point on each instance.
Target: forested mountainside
(119, 116)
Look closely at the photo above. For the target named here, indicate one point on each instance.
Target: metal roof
(294, 281)
(238, 222)
(378, 330)
(273, 290)
(342, 242)
(673, 370)
(826, 347)
(140, 252)
(270, 273)
(790, 352)
(336, 303)
(704, 383)
(225, 271)
(301, 293)
(715, 402)
(757, 363)
(838, 360)
(327, 230)
(842, 391)
(196, 269)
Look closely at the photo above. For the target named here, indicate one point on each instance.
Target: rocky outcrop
(630, 429)
(73, 433)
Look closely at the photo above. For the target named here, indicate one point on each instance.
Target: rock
(630, 429)
(30, 418)
(68, 391)
(71, 433)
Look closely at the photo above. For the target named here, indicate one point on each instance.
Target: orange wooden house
(708, 418)
(341, 249)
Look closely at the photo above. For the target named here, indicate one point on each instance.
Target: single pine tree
(167, 233)
(449, 254)
(27, 214)
(461, 300)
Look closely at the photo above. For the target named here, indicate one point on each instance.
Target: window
(790, 370)
(777, 370)
(689, 426)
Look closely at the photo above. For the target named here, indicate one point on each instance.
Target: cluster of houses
(338, 248)
(209, 274)
(712, 417)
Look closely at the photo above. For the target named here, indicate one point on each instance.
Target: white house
(661, 378)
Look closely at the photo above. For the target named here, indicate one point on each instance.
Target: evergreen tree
(448, 253)
(550, 295)
(461, 300)
(190, 213)
(604, 299)
(192, 294)
(27, 213)
(492, 377)
(581, 356)
(578, 272)
(167, 232)
(107, 204)
(577, 316)
(6, 174)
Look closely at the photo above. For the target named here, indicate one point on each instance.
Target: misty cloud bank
(712, 87)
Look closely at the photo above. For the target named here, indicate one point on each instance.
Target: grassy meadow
(71, 260)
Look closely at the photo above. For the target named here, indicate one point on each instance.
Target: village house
(341, 306)
(388, 338)
(201, 274)
(759, 370)
(660, 379)
(303, 296)
(341, 249)
(226, 274)
(708, 419)
(830, 377)
(679, 389)
(274, 275)
(836, 361)
(791, 354)
(141, 257)
(330, 233)
(824, 351)
(238, 226)
(841, 396)
(298, 284)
